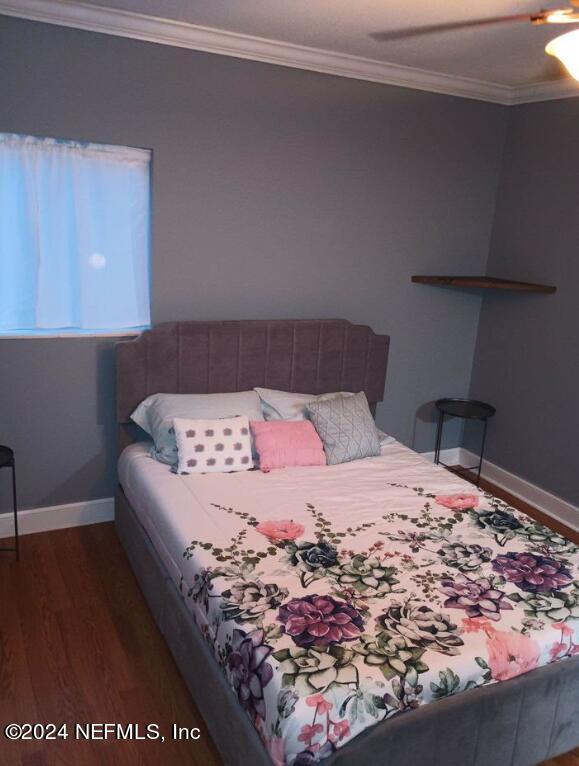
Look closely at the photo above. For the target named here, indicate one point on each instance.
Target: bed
(376, 611)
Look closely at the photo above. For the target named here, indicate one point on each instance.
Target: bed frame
(520, 722)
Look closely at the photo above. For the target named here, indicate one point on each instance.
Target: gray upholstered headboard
(304, 356)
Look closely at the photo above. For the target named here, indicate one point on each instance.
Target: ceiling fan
(565, 47)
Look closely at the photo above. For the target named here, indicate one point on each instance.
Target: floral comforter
(338, 597)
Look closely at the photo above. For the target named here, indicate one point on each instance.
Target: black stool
(469, 409)
(7, 461)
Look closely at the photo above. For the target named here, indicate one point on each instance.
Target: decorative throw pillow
(213, 446)
(283, 405)
(346, 427)
(156, 413)
(284, 443)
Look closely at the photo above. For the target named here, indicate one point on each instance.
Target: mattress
(338, 597)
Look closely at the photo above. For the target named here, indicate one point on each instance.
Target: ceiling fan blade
(402, 34)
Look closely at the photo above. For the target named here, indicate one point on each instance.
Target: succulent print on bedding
(535, 574)
(367, 574)
(421, 626)
(479, 598)
(325, 627)
(320, 621)
(249, 601)
(316, 669)
(464, 557)
(547, 541)
(312, 559)
(552, 607)
(405, 631)
(394, 655)
(250, 673)
(500, 523)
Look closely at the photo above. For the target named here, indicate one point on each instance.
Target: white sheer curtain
(74, 236)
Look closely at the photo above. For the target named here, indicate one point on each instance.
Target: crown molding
(544, 91)
(137, 26)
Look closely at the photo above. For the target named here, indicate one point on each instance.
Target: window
(74, 237)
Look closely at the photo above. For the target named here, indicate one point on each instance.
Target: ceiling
(507, 57)
(508, 54)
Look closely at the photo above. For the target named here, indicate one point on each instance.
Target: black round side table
(469, 409)
(7, 461)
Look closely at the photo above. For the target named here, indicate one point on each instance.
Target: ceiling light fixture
(566, 49)
(560, 16)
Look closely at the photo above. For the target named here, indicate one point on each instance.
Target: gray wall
(277, 193)
(527, 353)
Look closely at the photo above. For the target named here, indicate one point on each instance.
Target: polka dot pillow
(213, 446)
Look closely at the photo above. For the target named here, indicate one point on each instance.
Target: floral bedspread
(326, 622)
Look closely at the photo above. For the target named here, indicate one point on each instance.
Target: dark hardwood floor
(78, 645)
(521, 505)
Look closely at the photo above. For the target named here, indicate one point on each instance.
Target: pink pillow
(282, 443)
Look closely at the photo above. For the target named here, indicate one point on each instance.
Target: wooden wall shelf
(485, 283)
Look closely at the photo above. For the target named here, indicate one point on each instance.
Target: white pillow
(213, 446)
(384, 438)
(156, 413)
(283, 405)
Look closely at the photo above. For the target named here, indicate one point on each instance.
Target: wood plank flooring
(78, 645)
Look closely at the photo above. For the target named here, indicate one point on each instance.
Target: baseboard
(452, 456)
(539, 498)
(58, 517)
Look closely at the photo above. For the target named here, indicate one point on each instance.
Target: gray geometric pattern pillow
(346, 427)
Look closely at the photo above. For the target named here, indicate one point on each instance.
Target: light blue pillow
(346, 427)
(156, 413)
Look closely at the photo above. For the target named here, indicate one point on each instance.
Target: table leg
(15, 507)
(438, 438)
(482, 451)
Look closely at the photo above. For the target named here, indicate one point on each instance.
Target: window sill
(72, 334)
